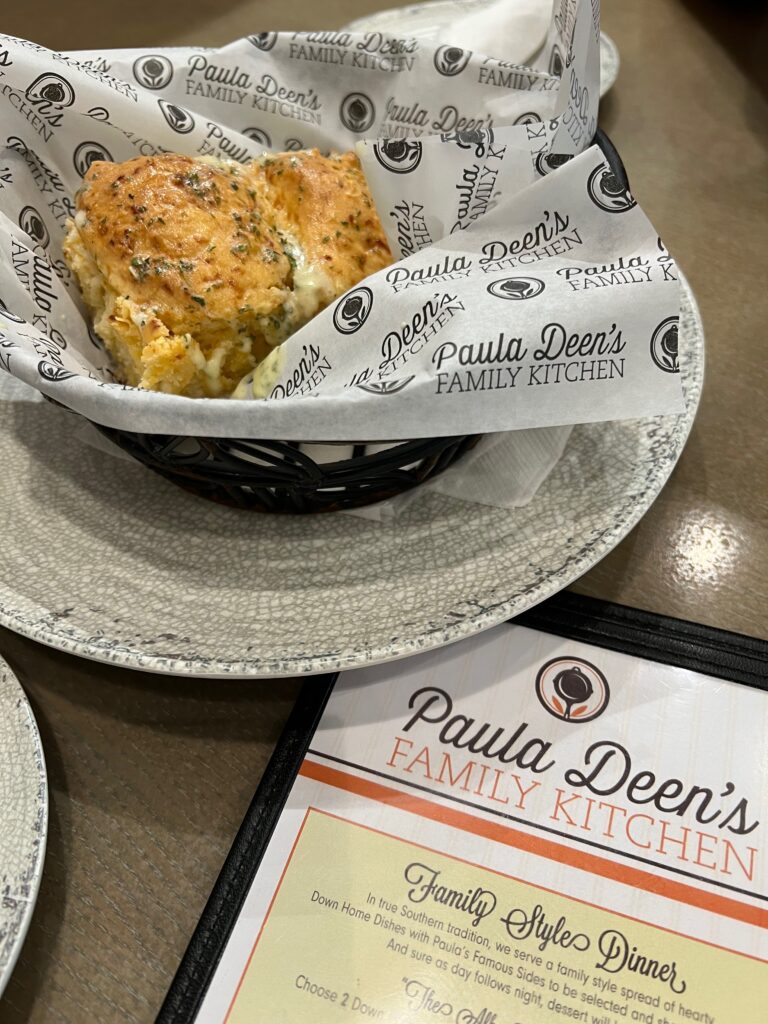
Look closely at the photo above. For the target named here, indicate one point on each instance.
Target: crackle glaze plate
(438, 15)
(23, 818)
(104, 559)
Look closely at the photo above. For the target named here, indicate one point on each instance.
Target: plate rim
(26, 907)
(103, 651)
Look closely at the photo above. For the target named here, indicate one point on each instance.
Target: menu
(517, 829)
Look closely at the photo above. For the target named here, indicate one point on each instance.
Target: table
(149, 777)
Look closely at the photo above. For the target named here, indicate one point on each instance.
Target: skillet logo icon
(353, 310)
(153, 71)
(31, 222)
(51, 89)
(572, 689)
(398, 155)
(263, 40)
(556, 63)
(291, 145)
(450, 60)
(480, 138)
(88, 153)
(608, 192)
(546, 162)
(516, 288)
(52, 373)
(357, 112)
(386, 387)
(177, 117)
(5, 312)
(664, 345)
(258, 135)
(529, 118)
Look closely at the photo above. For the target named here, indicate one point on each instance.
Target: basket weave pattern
(283, 476)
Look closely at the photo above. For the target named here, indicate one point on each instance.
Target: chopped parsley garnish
(140, 266)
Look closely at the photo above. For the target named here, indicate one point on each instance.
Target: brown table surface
(149, 777)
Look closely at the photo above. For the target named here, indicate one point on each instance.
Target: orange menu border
(624, 873)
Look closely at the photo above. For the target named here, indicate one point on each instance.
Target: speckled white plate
(102, 558)
(23, 818)
(424, 18)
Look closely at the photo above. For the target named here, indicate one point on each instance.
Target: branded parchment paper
(532, 291)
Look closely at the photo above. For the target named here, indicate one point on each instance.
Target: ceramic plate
(23, 818)
(102, 558)
(425, 18)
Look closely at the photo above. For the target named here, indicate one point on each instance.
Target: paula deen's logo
(258, 135)
(14, 317)
(353, 310)
(608, 192)
(572, 689)
(177, 117)
(479, 138)
(556, 63)
(451, 60)
(263, 40)
(88, 153)
(52, 373)
(153, 71)
(546, 162)
(357, 112)
(516, 288)
(31, 222)
(529, 118)
(664, 345)
(398, 155)
(386, 387)
(51, 89)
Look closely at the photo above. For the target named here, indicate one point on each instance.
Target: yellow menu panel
(368, 927)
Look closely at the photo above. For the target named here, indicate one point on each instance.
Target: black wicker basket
(298, 477)
(288, 476)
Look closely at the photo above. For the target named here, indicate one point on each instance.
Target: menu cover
(561, 819)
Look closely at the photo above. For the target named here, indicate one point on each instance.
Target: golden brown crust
(328, 208)
(194, 270)
(182, 234)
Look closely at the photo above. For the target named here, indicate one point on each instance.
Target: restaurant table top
(150, 776)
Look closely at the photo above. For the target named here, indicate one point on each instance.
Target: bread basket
(301, 477)
(288, 476)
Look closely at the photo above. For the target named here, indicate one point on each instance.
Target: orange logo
(572, 689)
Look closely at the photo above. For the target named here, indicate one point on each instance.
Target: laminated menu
(522, 828)
(529, 288)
